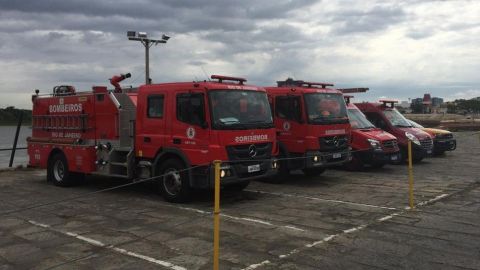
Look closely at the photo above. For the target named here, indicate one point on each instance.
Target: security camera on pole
(147, 43)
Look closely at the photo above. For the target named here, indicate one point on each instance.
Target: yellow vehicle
(442, 139)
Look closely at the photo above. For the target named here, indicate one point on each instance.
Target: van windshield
(396, 118)
(358, 120)
(326, 108)
(240, 109)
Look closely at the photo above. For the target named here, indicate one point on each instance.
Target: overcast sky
(400, 49)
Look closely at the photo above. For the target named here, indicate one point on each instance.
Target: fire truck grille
(390, 144)
(333, 143)
(427, 144)
(250, 151)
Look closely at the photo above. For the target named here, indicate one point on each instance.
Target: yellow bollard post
(216, 216)
(410, 174)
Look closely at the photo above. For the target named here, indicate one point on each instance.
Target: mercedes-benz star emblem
(336, 141)
(252, 151)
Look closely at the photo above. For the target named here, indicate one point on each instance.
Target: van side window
(288, 107)
(377, 120)
(191, 108)
(155, 106)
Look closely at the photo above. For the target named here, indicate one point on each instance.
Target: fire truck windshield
(358, 120)
(326, 108)
(396, 118)
(240, 109)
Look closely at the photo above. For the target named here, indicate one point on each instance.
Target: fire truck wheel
(313, 171)
(174, 184)
(57, 171)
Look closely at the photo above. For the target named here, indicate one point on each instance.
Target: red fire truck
(370, 145)
(312, 126)
(384, 115)
(156, 130)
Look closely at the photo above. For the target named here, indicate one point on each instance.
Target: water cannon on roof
(388, 103)
(347, 98)
(222, 78)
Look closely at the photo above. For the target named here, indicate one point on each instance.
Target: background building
(427, 104)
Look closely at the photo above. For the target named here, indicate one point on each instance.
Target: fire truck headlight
(225, 171)
(274, 164)
(315, 158)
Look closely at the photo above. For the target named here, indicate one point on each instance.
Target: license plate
(429, 151)
(394, 157)
(253, 168)
(337, 155)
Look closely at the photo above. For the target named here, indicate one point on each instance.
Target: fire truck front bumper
(378, 157)
(442, 145)
(317, 159)
(243, 171)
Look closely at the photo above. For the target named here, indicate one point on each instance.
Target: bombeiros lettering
(251, 138)
(65, 108)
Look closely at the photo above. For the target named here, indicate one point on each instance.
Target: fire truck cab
(384, 115)
(370, 145)
(312, 126)
(170, 130)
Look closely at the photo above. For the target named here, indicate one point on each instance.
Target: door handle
(147, 139)
(177, 141)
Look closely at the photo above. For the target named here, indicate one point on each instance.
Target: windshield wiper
(402, 126)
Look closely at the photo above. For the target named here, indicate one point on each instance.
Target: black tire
(310, 172)
(237, 186)
(58, 173)
(174, 185)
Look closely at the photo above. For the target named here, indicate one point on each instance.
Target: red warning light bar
(221, 78)
(353, 90)
(322, 84)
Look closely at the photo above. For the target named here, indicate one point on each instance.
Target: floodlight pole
(147, 43)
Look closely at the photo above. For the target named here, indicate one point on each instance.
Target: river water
(7, 135)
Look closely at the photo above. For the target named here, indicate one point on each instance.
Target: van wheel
(310, 172)
(58, 173)
(174, 184)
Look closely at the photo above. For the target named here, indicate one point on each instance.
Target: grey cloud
(375, 19)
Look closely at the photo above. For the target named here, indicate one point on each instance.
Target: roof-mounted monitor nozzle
(221, 78)
(389, 103)
(347, 98)
(353, 90)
